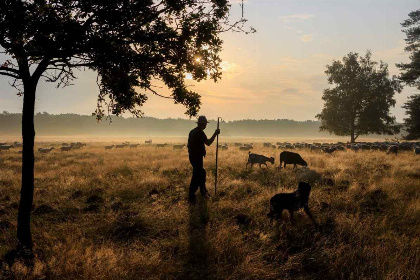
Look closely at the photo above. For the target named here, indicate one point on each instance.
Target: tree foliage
(130, 45)
(410, 74)
(412, 123)
(360, 100)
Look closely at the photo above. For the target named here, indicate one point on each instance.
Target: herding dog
(292, 202)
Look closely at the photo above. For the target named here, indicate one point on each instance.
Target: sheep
(161, 145)
(5, 148)
(245, 148)
(65, 144)
(354, 148)
(179, 147)
(45, 151)
(392, 150)
(17, 144)
(289, 146)
(134, 145)
(223, 147)
(416, 150)
(109, 147)
(120, 146)
(364, 147)
(291, 158)
(267, 145)
(329, 150)
(314, 148)
(66, 148)
(148, 142)
(340, 148)
(259, 159)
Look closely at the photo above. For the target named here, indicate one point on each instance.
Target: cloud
(307, 38)
(296, 17)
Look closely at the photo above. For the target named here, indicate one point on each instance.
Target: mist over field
(74, 124)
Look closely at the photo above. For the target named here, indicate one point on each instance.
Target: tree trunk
(352, 139)
(27, 191)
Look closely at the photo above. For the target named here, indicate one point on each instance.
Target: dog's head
(304, 189)
(272, 160)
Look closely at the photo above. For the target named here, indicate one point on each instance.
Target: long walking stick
(217, 156)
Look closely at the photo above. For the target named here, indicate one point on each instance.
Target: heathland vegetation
(124, 215)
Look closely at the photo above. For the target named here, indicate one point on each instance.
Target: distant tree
(410, 74)
(412, 123)
(129, 44)
(360, 100)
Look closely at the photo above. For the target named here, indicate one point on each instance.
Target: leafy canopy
(412, 123)
(359, 102)
(129, 43)
(410, 72)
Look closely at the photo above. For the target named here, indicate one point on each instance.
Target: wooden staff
(217, 156)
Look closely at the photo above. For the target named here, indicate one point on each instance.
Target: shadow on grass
(197, 261)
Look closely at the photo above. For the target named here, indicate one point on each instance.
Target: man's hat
(202, 119)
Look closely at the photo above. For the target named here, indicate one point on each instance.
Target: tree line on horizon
(75, 124)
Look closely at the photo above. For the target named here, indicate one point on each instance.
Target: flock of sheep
(329, 148)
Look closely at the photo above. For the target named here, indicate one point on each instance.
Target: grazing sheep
(291, 158)
(315, 148)
(66, 149)
(364, 147)
(134, 145)
(17, 144)
(289, 146)
(120, 146)
(161, 145)
(267, 145)
(5, 148)
(245, 148)
(292, 202)
(329, 150)
(258, 159)
(45, 151)
(109, 147)
(179, 147)
(354, 148)
(223, 147)
(148, 142)
(340, 148)
(392, 150)
(416, 150)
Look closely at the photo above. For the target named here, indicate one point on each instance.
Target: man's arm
(208, 142)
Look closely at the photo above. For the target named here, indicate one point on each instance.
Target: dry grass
(123, 215)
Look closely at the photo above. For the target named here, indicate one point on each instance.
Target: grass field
(122, 214)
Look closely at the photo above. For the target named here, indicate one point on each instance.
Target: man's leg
(195, 179)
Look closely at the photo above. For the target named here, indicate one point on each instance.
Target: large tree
(412, 122)
(130, 44)
(360, 100)
(410, 74)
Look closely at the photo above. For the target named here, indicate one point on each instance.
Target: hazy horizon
(276, 73)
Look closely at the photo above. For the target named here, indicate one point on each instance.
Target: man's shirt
(196, 141)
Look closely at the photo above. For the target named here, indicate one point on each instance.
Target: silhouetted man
(196, 150)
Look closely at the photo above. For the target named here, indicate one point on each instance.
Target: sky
(275, 73)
